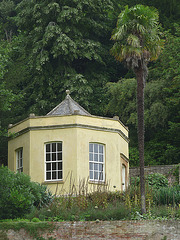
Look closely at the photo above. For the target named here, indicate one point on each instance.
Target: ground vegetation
(27, 201)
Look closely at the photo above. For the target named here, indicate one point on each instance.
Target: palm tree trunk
(140, 112)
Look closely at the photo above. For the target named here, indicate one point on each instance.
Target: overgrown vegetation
(28, 205)
(34, 204)
(18, 195)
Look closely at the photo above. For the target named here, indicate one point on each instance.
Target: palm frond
(137, 35)
(119, 33)
(133, 40)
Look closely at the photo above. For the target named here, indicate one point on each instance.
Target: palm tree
(137, 41)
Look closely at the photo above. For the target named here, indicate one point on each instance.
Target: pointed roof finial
(67, 92)
(69, 107)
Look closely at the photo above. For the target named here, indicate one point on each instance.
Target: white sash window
(53, 161)
(96, 162)
(19, 160)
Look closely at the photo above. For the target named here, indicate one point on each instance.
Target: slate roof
(68, 107)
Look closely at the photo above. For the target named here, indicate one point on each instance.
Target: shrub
(19, 194)
(157, 180)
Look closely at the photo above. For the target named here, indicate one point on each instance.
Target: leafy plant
(19, 194)
(157, 180)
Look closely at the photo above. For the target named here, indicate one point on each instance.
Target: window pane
(96, 157)
(100, 167)
(48, 166)
(101, 176)
(96, 148)
(100, 148)
(20, 153)
(91, 175)
(21, 163)
(47, 147)
(60, 166)
(54, 175)
(53, 147)
(91, 166)
(96, 175)
(90, 147)
(48, 157)
(17, 163)
(59, 156)
(53, 156)
(48, 175)
(59, 147)
(59, 174)
(53, 166)
(100, 158)
(96, 166)
(90, 157)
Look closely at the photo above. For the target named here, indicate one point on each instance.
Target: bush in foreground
(18, 194)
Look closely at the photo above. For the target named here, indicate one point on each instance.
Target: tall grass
(167, 195)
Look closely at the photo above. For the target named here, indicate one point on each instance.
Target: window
(123, 177)
(19, 160)
(53, 161)
(96, 162)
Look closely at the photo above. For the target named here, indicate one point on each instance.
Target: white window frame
(123, 172)
(96, 162)
(19, 160)
(53, 161)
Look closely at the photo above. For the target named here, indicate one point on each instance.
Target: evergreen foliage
(64, 44)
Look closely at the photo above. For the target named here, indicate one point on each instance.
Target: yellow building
(71, 150)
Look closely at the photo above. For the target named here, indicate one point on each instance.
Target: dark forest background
(48, 46)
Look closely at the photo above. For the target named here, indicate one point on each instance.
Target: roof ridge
(69, 103)
(77, 104)
(66, 107)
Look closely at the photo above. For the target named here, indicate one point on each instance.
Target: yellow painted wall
(15, 144)
(114, 145)
(68, 139)
(75, 141)
(71, 119)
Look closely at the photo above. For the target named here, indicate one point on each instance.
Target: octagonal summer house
(71, 150)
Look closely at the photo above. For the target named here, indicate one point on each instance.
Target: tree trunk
(140, 112)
